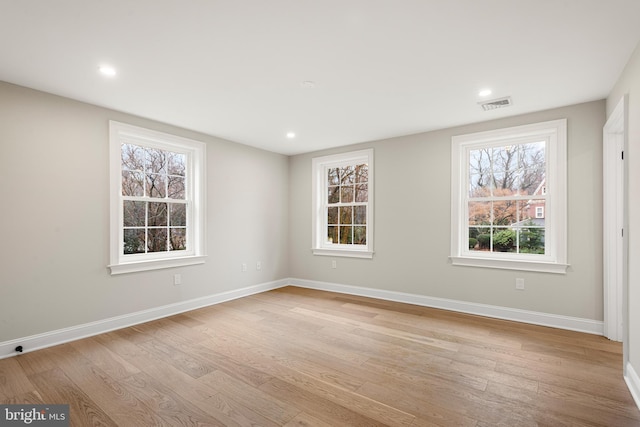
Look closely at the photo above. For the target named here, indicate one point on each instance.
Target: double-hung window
(157, 199)
(343, 204)
(508, 198)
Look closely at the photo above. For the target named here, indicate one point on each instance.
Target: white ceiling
(382, 68)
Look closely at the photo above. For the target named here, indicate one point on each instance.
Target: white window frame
(195, 153)
(555, 258)
(320, 166)
(539, 211)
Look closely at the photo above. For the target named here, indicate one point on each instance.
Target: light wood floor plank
(13, 380)
(55, 387)
(280, 411)
(319, 407)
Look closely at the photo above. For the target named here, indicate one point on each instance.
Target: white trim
(524, 316)
(132, 267)
(61, 336)
(555, 133)
(509, 264)
(319, 194)
(343, 253)
(614, 134)
(633, 382)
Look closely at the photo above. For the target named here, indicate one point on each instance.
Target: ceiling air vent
(496, 103)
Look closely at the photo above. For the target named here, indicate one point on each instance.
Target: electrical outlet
(244, 267)
(259, 265)
(177, 279)
(334, 264)
(520, 284)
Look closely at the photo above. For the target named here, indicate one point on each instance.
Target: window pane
(332, 234)
(346, 215)
(133, 213)
(359, 214)
(332, 216)
(359, 235)
(156, 161)
(504, 240)
(346, 237)
(531, 212)
(132, 157)
(177, 164)
(505, 159)
(479, 213)
(346, 194)
(524, 212)
(333, 176)
(334, 195)
(177, 239)
(177, 214)
(479, 162)
(504, 212)
(157, 240)
(479, 185)
(362, 173)
(156, 186)
(158, 215)
(132, 183)
(175, 187)
(479, 238)
(362, 193)
(134, 241)
(531, 240)
(505, 184)
(532, 155)
(533, 182)
(347, 175)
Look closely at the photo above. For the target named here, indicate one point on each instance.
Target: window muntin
(500, 180)
(342, 204)
(157, 199)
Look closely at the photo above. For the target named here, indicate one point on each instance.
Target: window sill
(542, 267)
(133, 267)
(343, 253)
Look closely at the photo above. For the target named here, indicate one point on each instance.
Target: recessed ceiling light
(107, 70)
(484, 92)
(291, 135)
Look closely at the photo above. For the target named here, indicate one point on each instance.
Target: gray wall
(412, 223)
(55, 221)
(629, 83)
(54, 246)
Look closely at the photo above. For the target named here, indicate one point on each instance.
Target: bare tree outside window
(154, 205)
(347, 195)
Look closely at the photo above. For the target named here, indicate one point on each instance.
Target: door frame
(614, 238)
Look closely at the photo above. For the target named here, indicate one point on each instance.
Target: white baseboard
(544, 319)
(633, 382)
(60, 336)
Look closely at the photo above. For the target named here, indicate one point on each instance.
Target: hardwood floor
(298, 357)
